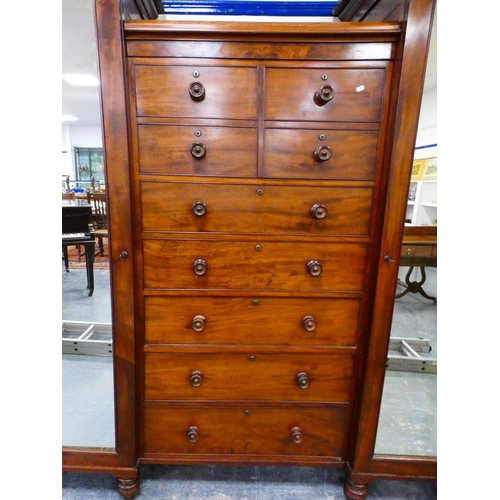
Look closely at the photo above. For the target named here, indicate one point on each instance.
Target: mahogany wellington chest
(257, 178)
(257, 159)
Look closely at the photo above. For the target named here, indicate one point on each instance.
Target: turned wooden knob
(296, 434)
(199, 208)
(318, 211)
(200, 267)
(314, 268)
(198, 149)
(324, 95)
(323, 153)
(196, 378)
(197, 91)
(198, 323)
(302, 380)
(193, 434)
(309, 323)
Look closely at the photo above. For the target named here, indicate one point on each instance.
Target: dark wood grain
(166, 149)
(239, 265)
(261, 431)
(162, 90)
(241, 209)
(237, 377)
(290, 154)
(246, 320)
(358, 94)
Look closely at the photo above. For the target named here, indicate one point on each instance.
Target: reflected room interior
(408, 414)
(87, 362)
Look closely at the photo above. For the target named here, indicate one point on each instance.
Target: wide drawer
(247, 376)
(291, 94)
(219, 264)
(197, 150)
(254, 431)
(210, 207)
(301, 154)
(225, 92)
(251, 321)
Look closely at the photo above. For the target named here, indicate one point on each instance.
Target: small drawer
(195, 91)
(247, 376)
(198, 150)
(301, 154)
(251, 321)
(211, 207)
(416, 251)
(245, 431)
(324, 94)
(280, 266)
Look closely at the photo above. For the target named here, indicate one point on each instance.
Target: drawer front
(251, 321)
(300, 154)
(181, 150)
(254, 431)
(291, 94)
(228, 92)
(250, 376)
(174, 264)
(198, 207)
(416, 251)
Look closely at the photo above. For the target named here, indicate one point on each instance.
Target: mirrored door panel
(408, 415)
(87, 347)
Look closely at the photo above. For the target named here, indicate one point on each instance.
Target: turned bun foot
(128, 487)
(354, 491)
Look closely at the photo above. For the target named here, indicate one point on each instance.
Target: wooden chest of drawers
(257, 167)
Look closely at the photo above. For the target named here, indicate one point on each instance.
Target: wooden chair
(99, 213)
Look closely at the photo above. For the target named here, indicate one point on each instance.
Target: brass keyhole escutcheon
(255, 302)
(258, 248)
(260, 192)
(252, 358)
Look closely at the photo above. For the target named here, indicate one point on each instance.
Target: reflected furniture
(77, 231)
(419, 249)
(257, 201)
(100, 217)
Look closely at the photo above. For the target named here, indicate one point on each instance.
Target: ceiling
(79, 56)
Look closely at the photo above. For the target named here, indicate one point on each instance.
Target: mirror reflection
(87, 362)
(408, 414)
